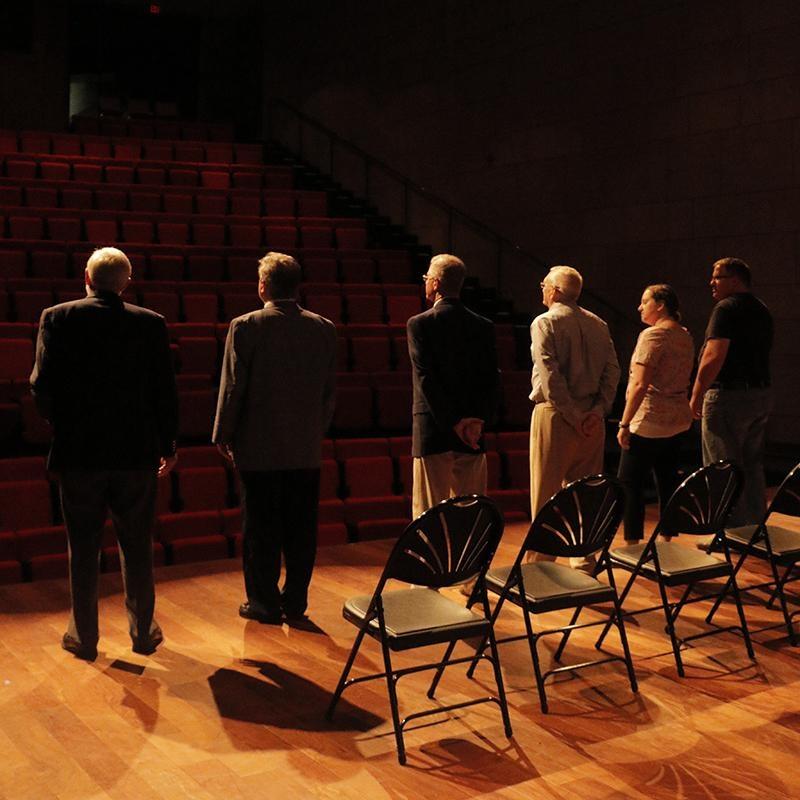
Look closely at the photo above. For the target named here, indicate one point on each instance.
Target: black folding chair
(700, 506)
(578, 521)
(449, 544)
(779, 547)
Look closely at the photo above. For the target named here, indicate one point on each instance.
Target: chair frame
(780, 504)
(407, 562)
(685, 514)
(588, 537)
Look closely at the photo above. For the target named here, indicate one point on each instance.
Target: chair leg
(623, 637)
(563, 643)
(392, 688)
(533, 640)
(345, 672)
(484, 641)
(745, 632)
(440, 669)
(676, 649)
(779, 584)
(598, 644)
(501, 691)
(726, 588)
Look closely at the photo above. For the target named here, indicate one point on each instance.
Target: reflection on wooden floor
(233, 709)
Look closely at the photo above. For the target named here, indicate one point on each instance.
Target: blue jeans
(734, 427)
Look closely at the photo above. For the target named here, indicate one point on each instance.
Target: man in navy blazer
(103, 377)
(454, 362)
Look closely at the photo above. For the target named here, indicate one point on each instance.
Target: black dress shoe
(146, 647)
(86, 652)
(264, 617)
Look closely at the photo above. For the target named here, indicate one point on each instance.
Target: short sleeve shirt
(747, 323)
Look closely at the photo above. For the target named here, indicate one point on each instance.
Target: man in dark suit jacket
(103, 377)
(276, 400)
(454, 361)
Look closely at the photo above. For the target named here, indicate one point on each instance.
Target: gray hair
(109, 270)
(450, 271)
(567, 280)
(281, 275)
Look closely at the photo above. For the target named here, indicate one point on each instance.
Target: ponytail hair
(664, 293)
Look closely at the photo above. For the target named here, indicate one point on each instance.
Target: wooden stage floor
(233, 709)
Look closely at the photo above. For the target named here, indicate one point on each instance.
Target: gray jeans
(734, 427)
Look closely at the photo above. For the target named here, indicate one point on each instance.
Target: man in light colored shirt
(574, 382)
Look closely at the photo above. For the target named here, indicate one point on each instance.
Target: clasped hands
(469, 430)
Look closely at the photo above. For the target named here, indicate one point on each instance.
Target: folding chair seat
(327, 305)
(173, 232)
(771, 542)
(208, 234)
(245, 235)
(247, 180)
(101, 231)
(189, 152)
(158, 151)
(353, 409)
(117, 173)
(699, 506)
(175, 204)
(164, 303)
(16, 358)
(196, 413)
(394, 407)
(144, 201)
(351, 239)
(28, 306)
(316, 236)
(249, 153)
(312, 204)
(48, 264)
(320, 270)
(437, 550)
(370, 354)
(30, 468)
(202, 488)
(395, 270)
(578, 522)
(21, 170)
(34, 142)
(139, 231)
(357, 270)
(192, 536)
(96, 147)
(166, 268)
(25, 504)
(200, 307)
(151, 176)
(44, 549)
(364, 308)
(400, 307)
(234, 305)
(281, 236)
(346, 449)
(279, 205)
(54, 170)
(13, 263)
(76, 198)
(10, 196)
(215, 179)
(111, 200)
(219, 153)
(183, 177)
(87, 173)
(198, 355)
(26, 227)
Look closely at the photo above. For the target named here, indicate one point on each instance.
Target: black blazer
(103, 377)
(454, 362)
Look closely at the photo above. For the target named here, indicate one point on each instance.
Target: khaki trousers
(559, 455)
(444, 475)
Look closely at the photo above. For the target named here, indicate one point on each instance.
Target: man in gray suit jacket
(276, 400)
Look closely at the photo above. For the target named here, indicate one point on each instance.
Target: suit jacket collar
(107, 298)
(286, 306)
(447, 301)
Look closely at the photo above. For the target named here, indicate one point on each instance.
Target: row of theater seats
(128, 148)
(163, 126)
(88, 195)
(30, 167)
(364, 494)
(136, 228)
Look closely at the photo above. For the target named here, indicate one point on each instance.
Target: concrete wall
(636, 139)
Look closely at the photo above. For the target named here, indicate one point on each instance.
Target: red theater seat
(219, 153)
(137, 231)
(158, 151)
(101, 231)
(29, 305)
(165, 303)
(200, 307)
(351, 239)
(358, 270)
(395, 270)
(346, 449)
(45, 551)
(183, 177)
(364, 309)
(234, 305)
(202, 488)
(193, 536)
(394, 407)
(400, 307)
(371, 530)
(279, 206)
(198, 355)
(178, 204)
(166, 268)
(327, 305)
(317, 236)
(26, 227)
(34, 512)
(208, 234)
(145, 201)
(206, 268)
(353, 409)
(151, 176)
(13, 263)
(329, 480)
(370, 476)
(119, 174)
(320, 270)
(281, 236)
(245, 235)
(22, 170)
(173, 233)
(76, 198)
(370, 354)
(213, 179)
(31, 468)
(48, 264)
(331, 533)
(215, 204)
(41, 197)
(245, 205)
(55, 171)
(196, 409)
(312, 204)
(189, 152)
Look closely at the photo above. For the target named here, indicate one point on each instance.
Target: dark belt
(739, 385)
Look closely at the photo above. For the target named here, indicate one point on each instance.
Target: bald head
(108, 270)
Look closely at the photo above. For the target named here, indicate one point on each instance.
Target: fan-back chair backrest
(448, 544)
(701, 504)
(580, 519)
(787, 498)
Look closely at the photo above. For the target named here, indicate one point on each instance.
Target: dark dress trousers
(455, 375)
(276, 400)
(103, 377)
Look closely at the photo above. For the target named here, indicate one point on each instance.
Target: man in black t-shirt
(732, 393)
